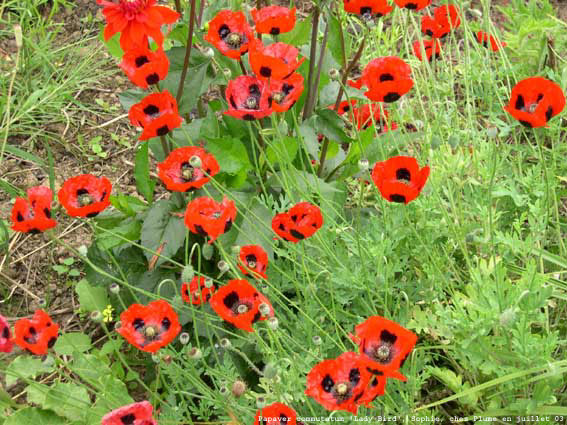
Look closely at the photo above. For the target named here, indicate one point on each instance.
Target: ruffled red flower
(300, 222)
(133, 414)
(5, 336)
(377, 8)
(445, 19)
(196, 292)
(432, 49)
(485, 38)
(33, 215)
(273, 19)
(37, 334)
(135, 20)
(150, 327)
(387, 79)
(338, 384)
(144, 67)
(177, 173)
(284, 93)
(368, 114)
(384, 342)
(535, 100)
(239, 303)
(276, 414)
(253, 260)
(248, 98)
(206, 217)
(344, 106)
(230, 33)
(377, 384)
(412, 4)
(85, 195)
(400, 179)
(157, 114)
(277, 60)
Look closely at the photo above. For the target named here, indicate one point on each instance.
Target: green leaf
(129, 229)
(34, 416)
(161, 227)
(299, 35)
(68, 400)
(256, 227)
(68, 343)
(91, 298)
(282, 150)
(113, 45)
(25, 155)
(25, 366)
(144, 184)
(89, 367)
(126, 204)
(230, 154)
(334, 40)
(130, 97)
(330, 124)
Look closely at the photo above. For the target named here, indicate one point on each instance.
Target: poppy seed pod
(273, 323)
(223, 266)
(114, 288)
(96, 316)
(334, 74)
(209, 52)
(195, 161)
(260, 402)
(184, 338)
(363, 165)
(225, 343)
(194, 353)
(223, 390)
(207, 251)
(188, 273)
(208, 283)
(317, 340)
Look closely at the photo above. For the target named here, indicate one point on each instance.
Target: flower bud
(223, 390)
(334, 74)
(209, 52)
(117, 325)
(317, 340)
(492, 132)
(114, 288)
(207, 251)
(195, 161)
(194, 353)
(208, 283)
(223, 266)
(155, 358)
(227, 72)
(260, 402)
(273, 323)
(206, 27)
(18, 35)
(96, 316)
(42, 302)
(167, 359)
(184, 338)
(270, 371)
(363, 165)
(264, 309)
(238, 388)
(188, 273)
(508, 317)
(83, 250)
(225, 343)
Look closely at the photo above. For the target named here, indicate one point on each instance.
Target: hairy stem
(314, 90)
(187, 52)
(312, 56)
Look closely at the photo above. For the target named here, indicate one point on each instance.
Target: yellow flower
(107, 314)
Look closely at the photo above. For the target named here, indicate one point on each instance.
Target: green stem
(187, 52)
(314, 89)
(312, 56)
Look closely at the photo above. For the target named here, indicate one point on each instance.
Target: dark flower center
(251, 102)
(403, 174)
(278, 97)
(151, 110)
(187, 172)
(141, 60)
(84, 198)
(234, 40)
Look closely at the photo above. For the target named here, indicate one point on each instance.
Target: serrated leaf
(282, 150)
(230, 154)
(328, 123)
(91, 298)
(89, 367)
(144, 184)
(34, 416)
(25, 366)
(68, 343)
(161, 227)
(68, 400)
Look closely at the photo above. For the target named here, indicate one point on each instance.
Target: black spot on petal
(520, 102)
(151, 110)
(327, 383)
(227, 226)
(391, 97)
(265, 72)
(138, 323)
(166, 323)
(386, 77)
(51, 342)
(388, 337)
(403, 174)
(548, 113)
(274, 31)
(141, 60)
(231, 299)
(354, 376)
(401, 199)
(296, 234)
(153, 78)
(162, 131)
(128, 419)
(19, 217)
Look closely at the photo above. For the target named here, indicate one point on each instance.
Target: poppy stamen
(383, 353)
(234, 40)
(252, 102)
(278, 97)
(342, 389)
(187, 172)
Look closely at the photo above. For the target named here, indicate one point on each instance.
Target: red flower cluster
(239, 303)
(366, 115)
(197, 292)
(150, 327)
(400, 179)
(353, 379)
(33, 215)
(412, 4)
(386, 78)
(145, 67)
(133, 414)
(253, 260)
(489, 41)
(276, 414)
(300, 222)
(204, 216)
(177, 173)
(445, 19)
(157, 114)
(85, 195)
(534, 101)
(273, 20)
(368, 8)
(432, 49)
(37, 334)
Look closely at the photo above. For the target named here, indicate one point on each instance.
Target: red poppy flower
(5, 336)
(196, 292)
(338, 384)
(284, 93)
(37, 334)
(368, 114)
(248, 98)
(535, 100)
(368, 8)
(384, 342)
(432, 49)
(239, 303)
(230, 33)
(150, 327)
(133, 414)
(300, 222)
(276, 414)
(277, 61)
(344, 106)
(177, 173)
(135, 20)
(485, 38)
(33, 215)
(206, 217)
(377, 384)
(445, 19)
(85, 195)
(144, 67)
(254, 260)
(412, 4)
(157, 114)
(273, 19)
(387, 79)
(400, 179)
